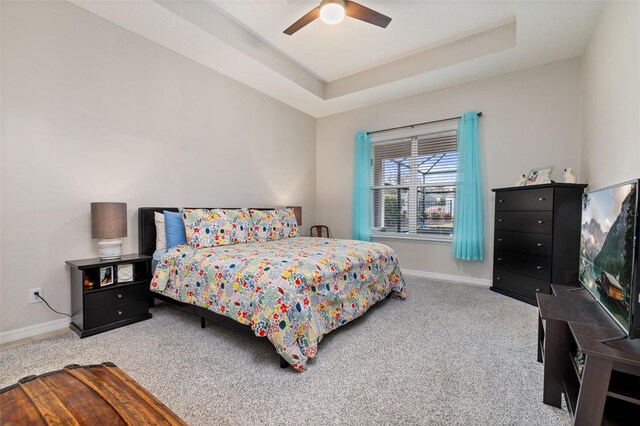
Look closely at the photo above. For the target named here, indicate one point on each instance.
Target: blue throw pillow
(174, 226)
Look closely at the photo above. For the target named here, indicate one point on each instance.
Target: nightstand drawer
(534, 266)
(115, 296)
(525, 199)
(111, 314)
(538, 222)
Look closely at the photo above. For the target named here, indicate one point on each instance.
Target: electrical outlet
(32, 295)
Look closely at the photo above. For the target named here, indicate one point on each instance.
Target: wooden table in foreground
(607, 390)
(90, 395)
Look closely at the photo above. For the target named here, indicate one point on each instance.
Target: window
(413, 185)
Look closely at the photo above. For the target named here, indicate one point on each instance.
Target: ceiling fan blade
(358, 11)
(306, 19)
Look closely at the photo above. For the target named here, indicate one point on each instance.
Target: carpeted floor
(449, 354)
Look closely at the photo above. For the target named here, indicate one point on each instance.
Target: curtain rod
(418, 124)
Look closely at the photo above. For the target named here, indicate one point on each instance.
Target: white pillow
(161, 233)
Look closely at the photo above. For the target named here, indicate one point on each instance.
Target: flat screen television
(609, 252)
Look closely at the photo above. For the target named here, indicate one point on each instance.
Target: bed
(292, 291)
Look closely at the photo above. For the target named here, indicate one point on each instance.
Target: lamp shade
(108, 220)
(297, 211)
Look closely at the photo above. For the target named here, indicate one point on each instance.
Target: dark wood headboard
(147, 226)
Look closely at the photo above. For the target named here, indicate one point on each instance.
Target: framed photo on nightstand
(106, 276)
(125, 273)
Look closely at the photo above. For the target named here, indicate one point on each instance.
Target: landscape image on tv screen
(607, 247)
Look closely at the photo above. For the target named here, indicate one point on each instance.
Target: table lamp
(109, 222)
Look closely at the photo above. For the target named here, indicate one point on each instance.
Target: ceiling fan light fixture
(332, 12)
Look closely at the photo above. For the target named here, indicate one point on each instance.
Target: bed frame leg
(202, 323)
(283, 362)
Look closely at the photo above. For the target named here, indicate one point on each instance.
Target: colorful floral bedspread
(293, 291)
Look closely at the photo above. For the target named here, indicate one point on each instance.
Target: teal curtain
(468, 222)
(362, 188)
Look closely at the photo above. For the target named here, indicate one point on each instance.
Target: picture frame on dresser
(536, 239)
(540, 175)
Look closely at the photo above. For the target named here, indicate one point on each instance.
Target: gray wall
(611, 97)
(92, 112)
(531, 119)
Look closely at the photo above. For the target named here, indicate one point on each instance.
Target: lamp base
(109, 249)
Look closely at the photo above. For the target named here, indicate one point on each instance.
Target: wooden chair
(320, 229)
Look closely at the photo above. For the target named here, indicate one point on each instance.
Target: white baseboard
(458, 279)
(33, 330)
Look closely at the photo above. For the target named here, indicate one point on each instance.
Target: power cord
(37, 294)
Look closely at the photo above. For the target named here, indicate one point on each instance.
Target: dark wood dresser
(537, 238)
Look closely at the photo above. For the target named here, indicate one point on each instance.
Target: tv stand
(613, 339)
(606, 388)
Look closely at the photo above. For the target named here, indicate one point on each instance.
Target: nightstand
(107, 294)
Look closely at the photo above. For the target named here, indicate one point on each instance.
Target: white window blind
(413, 184)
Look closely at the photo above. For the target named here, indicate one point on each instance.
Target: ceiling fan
(333, 11)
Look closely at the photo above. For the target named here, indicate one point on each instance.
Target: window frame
(413, 187)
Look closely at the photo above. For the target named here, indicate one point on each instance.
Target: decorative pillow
(161, 233)
(215, 227)
(174, 228)
(266, 225)
(288, 222)
(240, 225)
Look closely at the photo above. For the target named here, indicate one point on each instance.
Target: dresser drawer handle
(119, 295)
(119, 312)
(540, 221)
(501, 201)
(537, 290)
(500, 220)
(498, 278)
(542, 199)
(499, 240)
(540, 244)
(500, 259)
(539, 268)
